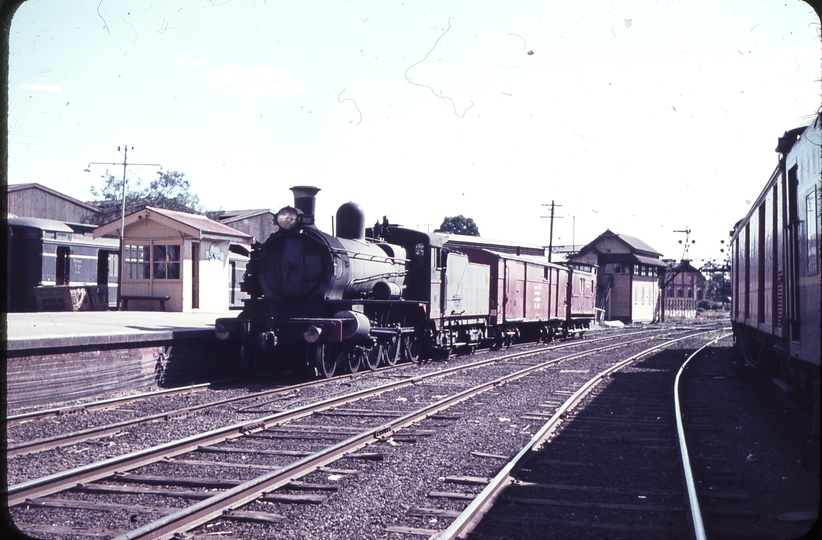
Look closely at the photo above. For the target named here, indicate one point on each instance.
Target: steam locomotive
(379, 295)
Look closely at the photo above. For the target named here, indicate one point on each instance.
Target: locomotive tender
(776, 272)
(380, 295)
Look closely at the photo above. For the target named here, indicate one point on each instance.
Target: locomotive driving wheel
(392, 351)
(353, 359)
(372, 357)
(327, 361)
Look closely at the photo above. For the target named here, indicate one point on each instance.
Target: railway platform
(53, 329)
(61, 357)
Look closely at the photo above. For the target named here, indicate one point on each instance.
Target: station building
(175, 254)
(628, 280)
(196, 262)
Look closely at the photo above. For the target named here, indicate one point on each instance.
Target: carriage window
(812, 220)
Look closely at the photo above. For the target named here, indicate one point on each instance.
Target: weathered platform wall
(63, 374)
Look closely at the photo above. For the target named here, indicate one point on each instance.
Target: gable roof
(23, 187)
(193, 225)
(637, 246)
(229, 216)
(686, 266)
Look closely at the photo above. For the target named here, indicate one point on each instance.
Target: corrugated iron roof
(637, 244)
(634, 243)
(22, 187)
(228, 216)
(198, 222)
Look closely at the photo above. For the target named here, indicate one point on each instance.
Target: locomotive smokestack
(304, 200)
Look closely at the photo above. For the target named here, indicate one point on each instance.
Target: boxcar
(776, 271)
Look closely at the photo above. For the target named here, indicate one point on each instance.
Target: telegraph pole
(122, 214)
(551, 230)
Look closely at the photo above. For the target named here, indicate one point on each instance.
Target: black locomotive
(384, 294)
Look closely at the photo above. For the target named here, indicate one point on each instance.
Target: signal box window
(138, 262)
(166, 262)
(158, 262)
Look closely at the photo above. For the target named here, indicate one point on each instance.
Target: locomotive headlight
(288, 218)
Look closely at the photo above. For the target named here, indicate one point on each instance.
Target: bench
(159, 299)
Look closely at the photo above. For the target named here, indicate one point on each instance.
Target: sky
(642, 117)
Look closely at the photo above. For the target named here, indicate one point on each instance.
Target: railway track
(109, 475)
(628, 484)
(104, 429)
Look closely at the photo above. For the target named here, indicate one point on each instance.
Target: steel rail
(65, 479)
(102, 404)
(62, 480)
(50, 443)
(482, 503)
(693, 501)
(112, 402)
(209, 509)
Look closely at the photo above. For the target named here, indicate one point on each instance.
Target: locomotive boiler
(320, 300)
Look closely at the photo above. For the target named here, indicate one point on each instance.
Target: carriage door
(195, 275)
(108, 268)
(63, 270)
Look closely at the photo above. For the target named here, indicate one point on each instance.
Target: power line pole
(551, 230)
(122, 261)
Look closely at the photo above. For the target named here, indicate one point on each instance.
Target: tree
(718, 287)
(170, 190)
(459, 225)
